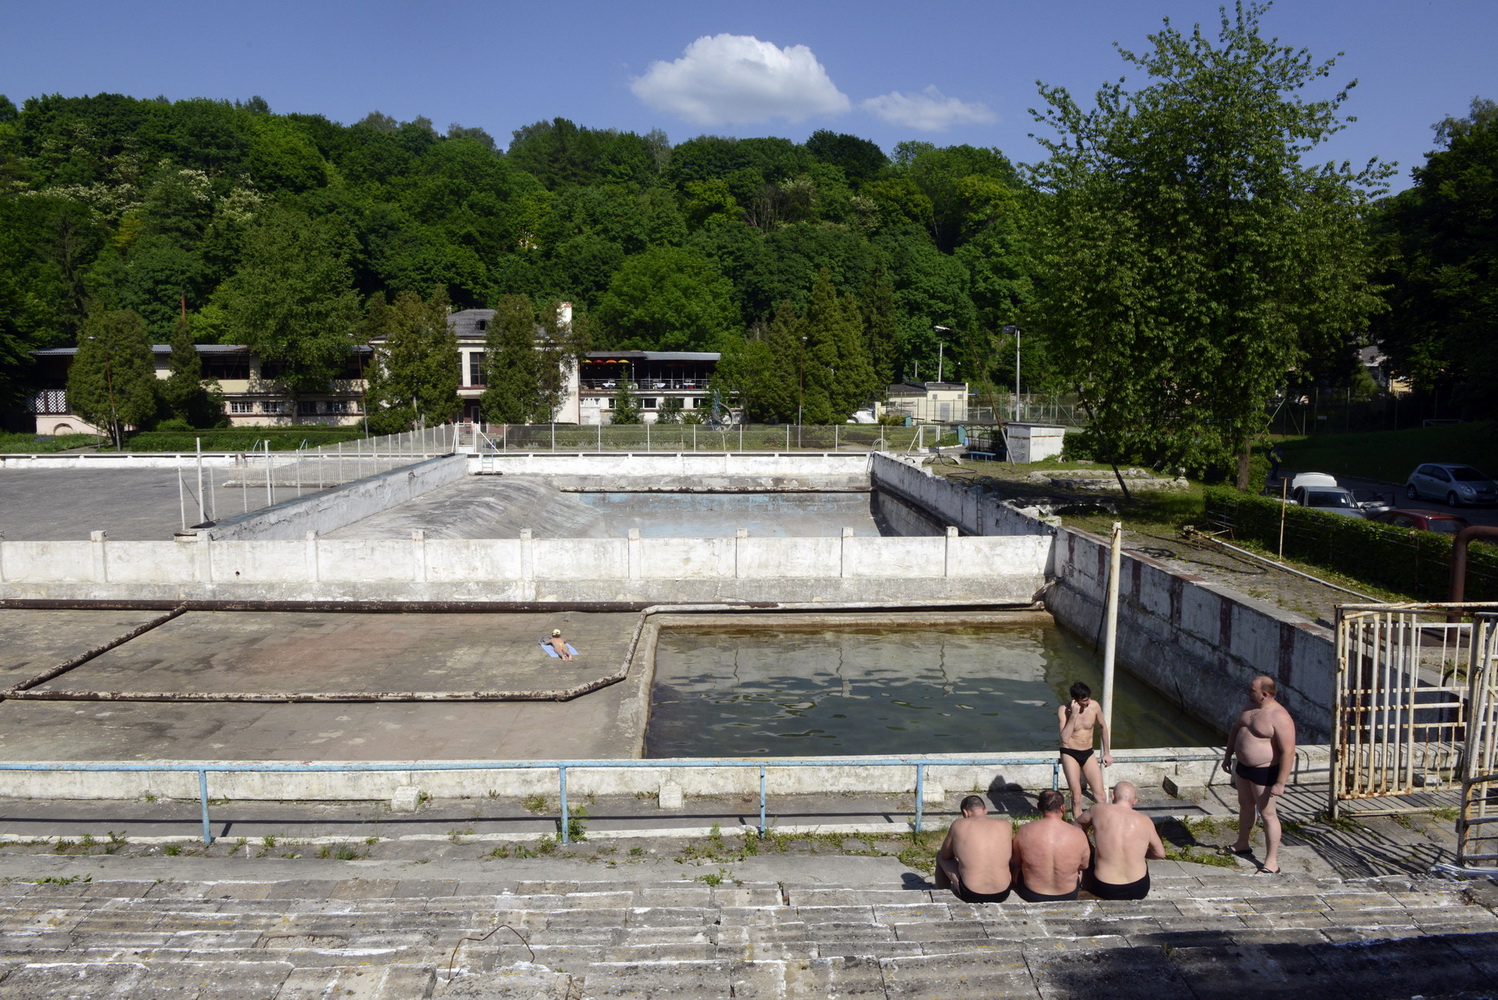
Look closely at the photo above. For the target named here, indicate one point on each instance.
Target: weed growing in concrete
(712, 878)
(371, 841)
(64, 879)
(150, 796)
(456, 836)
(1194, 856)
(172, 850)
(62, 846)
(534, 803)
(1446, 814)
(636, 851)
(116, 841)
(575, 828)
(501, 851)
(342, 852)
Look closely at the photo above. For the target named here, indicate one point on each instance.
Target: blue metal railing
(563, 766)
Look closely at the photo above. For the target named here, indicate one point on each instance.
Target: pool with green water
(829, 690)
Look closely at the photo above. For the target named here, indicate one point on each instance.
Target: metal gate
(1477, 826)
(1400, 721)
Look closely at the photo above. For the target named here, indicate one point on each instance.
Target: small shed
(1034, 442)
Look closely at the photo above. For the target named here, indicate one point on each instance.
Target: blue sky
(962, 71)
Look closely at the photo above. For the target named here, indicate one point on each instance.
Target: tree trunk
(1245, 452)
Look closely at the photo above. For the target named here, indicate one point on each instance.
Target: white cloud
(738, 79)
(929, 111)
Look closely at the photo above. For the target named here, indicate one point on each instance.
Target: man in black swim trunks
(974, 859)
(1077, 720)
(1123, 843)
(1263, 740)
(1049, 853)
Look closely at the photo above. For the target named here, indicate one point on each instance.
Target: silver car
(1458, 485)
(1332, 499)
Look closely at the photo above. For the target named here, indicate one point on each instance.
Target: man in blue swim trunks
(1263, 740)
(1077, 719)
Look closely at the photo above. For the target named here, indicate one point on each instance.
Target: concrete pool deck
(242, 652)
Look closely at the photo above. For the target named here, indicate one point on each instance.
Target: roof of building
(64, 352)
(652, 356)
(922, 388)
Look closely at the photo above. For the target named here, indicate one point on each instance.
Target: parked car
(1455, 484)
(1332, 499)
(1424, 520)
(1372, 502)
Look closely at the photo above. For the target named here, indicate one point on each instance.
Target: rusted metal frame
(1480, 764)
(21, 690)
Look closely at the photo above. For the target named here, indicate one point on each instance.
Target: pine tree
(184, 392)
(512, 368)
(626, 402)
(112, 382)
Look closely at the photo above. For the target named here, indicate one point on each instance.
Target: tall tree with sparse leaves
(1191, 258)
(414, 378)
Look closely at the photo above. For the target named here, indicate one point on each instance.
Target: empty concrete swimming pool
(789, 688)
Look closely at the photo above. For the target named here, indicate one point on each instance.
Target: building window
(272, 406)
(241, 406)
(647, 403)
(336, 406)
(307, 407)
(476, 368)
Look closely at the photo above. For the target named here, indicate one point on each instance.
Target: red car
(1425, 520)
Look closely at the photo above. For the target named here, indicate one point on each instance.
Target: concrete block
(670, 795)
(406, 799)
(933, 794)
(1184, 787)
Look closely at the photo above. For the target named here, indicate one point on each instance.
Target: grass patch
(31, 444)
(1197, 856)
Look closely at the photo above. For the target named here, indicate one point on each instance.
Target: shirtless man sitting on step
(1049, 853)
(974, 859)
(1077, 720)
(1123, 843)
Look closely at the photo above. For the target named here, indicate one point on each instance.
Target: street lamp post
(1012, 329)
(800, 387)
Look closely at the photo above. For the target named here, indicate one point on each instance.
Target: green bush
(30, 444)
(1417, 563)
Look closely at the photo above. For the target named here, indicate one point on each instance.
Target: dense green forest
(1157, 256)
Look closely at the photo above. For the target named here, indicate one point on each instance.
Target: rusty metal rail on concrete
(202, 770)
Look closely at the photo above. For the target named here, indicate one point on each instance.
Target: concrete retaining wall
(973, 511)
(328, 510)
(1198, 643)
(942, 782)
(678, 471)
(842, 569)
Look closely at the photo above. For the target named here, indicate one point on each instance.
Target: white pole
(181, 500)
(553, 437)
(270, 490)
(1016, 374)
(299, 472)
(202, 512)
(212, 497)
(1110, 634)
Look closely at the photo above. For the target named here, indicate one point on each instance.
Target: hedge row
(1406, 561)
(242, 438)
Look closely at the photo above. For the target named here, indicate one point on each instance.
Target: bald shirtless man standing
(1123, 841)
(1050, 854)
(1077, 719)
(1263, 740)
(974, 859)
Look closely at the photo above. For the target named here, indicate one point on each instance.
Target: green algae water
(824, 691)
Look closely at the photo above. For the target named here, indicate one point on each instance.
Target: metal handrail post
(920, 794)
(562, 771)
(203, 798)
(761, 800)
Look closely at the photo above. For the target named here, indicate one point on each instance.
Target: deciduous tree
(414, 379)
(1192, 258)
(112, 382)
